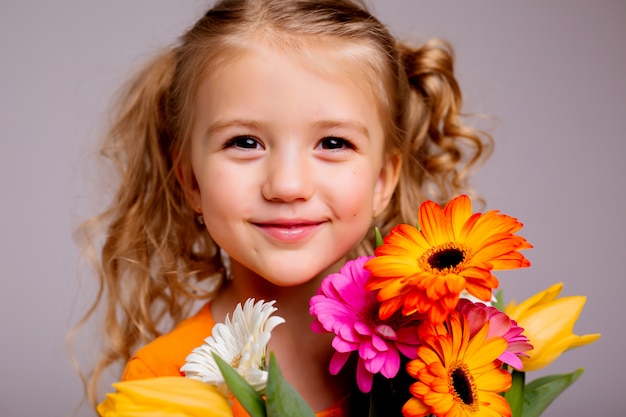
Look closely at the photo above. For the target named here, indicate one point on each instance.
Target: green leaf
(378, 236)
(540, 393)
(515, 395)
(247, 396)
(282, 399)
(499, 303)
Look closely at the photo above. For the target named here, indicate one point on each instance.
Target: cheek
(215, 175)
(354, 212)
(220, 191)
(354, 195)
(223, 206)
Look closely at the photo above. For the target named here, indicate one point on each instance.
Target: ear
(386, 183)
(187, 180)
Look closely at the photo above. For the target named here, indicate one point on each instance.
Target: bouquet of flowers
(420, 315)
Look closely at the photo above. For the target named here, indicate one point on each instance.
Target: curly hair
(156, 260)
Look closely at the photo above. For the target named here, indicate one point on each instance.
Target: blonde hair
(156, 259)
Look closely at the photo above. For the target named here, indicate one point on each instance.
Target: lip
(289, 230)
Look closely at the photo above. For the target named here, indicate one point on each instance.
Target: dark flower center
(446, 258)
(462, 386)
(370, 315)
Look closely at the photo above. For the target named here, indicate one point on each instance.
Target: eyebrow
(343, 124)
(321, 124)
(224, 124)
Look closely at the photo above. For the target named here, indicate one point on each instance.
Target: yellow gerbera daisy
(425, 270)
(458, 376)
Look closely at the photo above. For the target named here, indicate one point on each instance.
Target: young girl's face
(289, 161)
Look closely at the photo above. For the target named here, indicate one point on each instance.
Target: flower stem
(515, 395)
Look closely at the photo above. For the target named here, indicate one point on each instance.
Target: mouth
(289, 230)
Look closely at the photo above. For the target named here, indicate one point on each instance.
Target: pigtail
(442, 150)
(438, 150)
(154, 252)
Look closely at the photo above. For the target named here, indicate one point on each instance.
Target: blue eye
(244, 142)
(332, 142)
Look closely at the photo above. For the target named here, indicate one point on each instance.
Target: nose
(288, 178)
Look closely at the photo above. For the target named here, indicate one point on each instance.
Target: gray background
(552, 75)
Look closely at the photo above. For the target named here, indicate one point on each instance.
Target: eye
(332, 142)
(243, 142)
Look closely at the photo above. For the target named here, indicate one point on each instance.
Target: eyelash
(237, 142)
(331, 143)
(343, 143)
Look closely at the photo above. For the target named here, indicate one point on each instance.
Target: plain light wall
(552, 75)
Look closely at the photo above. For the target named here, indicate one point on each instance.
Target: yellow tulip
(164, 396)
(548, 323)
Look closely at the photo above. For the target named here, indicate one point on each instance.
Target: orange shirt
(166, 355)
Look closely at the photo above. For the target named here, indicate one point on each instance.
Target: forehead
(359, 62)
(260, 69)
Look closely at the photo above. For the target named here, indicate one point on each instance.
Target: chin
(292, 281)
(296, 278)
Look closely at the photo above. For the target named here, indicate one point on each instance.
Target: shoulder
(165, 355)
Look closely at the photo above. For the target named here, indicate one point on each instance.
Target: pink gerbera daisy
(500, 325)
(344, 307)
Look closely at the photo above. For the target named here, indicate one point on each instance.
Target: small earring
(200, 218)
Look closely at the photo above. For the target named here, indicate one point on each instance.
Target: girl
(256, 156)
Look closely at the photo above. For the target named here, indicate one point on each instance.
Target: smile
(289, 231)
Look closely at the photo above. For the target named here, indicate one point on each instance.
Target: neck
(292, 301)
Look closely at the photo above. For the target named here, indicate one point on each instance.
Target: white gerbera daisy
(241, 342)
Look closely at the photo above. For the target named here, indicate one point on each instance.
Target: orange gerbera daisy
(458, 376)
(425, 270)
